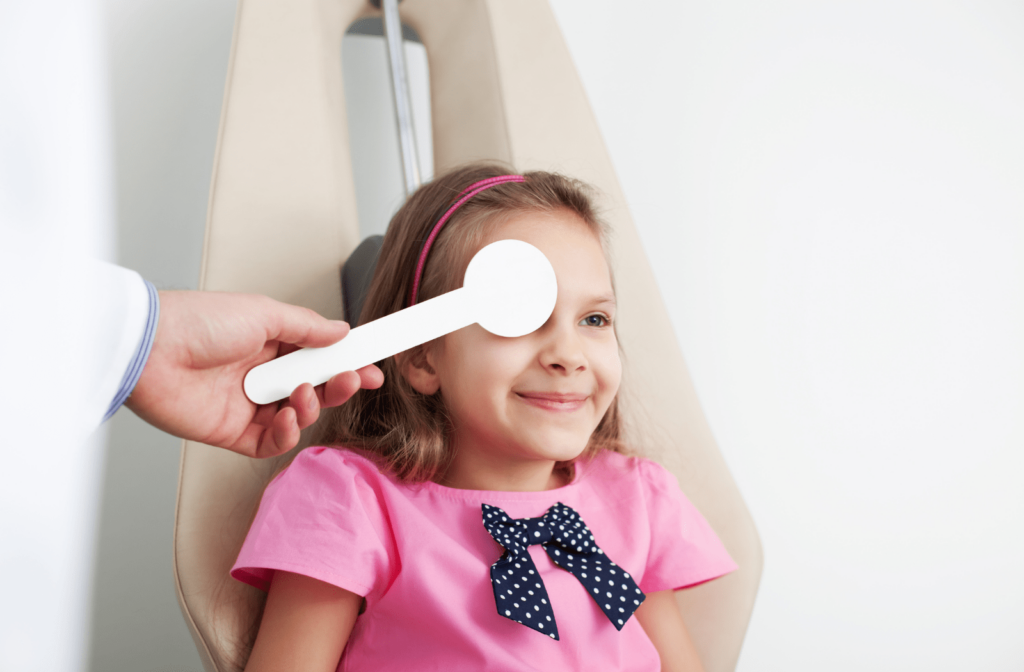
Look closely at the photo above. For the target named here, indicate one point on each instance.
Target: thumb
(302, 327)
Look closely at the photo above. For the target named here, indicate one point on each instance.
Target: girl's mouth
(550, 401)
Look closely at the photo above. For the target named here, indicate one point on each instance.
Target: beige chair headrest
(282, 219)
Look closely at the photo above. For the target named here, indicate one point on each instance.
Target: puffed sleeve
(321, 517)
(684, 551)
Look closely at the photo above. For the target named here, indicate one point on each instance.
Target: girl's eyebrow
(603, 298)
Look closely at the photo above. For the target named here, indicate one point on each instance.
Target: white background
(831, 197)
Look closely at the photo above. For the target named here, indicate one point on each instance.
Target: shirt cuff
(138, 361)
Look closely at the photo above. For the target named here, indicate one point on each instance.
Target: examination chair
(282, 220)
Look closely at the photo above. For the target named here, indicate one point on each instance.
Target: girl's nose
(563, 351)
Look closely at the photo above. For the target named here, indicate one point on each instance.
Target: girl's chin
(556, 450)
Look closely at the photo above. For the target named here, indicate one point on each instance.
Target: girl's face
(518, 405)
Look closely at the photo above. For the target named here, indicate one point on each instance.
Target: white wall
(829, 195)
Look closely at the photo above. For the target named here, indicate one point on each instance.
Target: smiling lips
(550, 401)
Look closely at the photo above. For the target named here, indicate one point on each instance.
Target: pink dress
(421, 557)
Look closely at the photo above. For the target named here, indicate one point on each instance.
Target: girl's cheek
(613, 375)
(606, 352)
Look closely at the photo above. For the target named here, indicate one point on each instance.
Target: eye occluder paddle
(509, 289)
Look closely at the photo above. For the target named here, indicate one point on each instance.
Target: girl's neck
(473, 471)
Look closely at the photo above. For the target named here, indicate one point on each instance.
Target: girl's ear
(416, 368)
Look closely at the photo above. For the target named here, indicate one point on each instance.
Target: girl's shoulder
(684, 550)
(336, 457)
(320, 465)
(326, 499)
(611, 466)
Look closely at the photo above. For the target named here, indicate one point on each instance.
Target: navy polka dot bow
(518, 590)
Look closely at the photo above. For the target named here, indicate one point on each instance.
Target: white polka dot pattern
(518, 590)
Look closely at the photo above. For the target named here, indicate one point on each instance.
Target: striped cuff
(134, 371)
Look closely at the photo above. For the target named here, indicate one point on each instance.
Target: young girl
(478, 511)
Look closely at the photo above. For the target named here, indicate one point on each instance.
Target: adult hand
(205, 344)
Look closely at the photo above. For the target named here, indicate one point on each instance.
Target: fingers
(370, 377)
(271, 433)
(274, 431)
(306, 405)
(281, 436)
(341, 387)
(284, 432)
(301, 326)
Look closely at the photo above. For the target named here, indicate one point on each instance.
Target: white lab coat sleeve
(74, 333)
(128, 313)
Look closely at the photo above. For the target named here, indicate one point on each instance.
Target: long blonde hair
(406, 430)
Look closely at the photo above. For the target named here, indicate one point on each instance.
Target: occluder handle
(363, 345)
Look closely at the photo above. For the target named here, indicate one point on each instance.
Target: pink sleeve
(684, 549)
(320, 517)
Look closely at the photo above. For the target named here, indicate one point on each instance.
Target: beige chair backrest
(282, 219)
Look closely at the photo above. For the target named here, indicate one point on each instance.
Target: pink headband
(466, 194)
